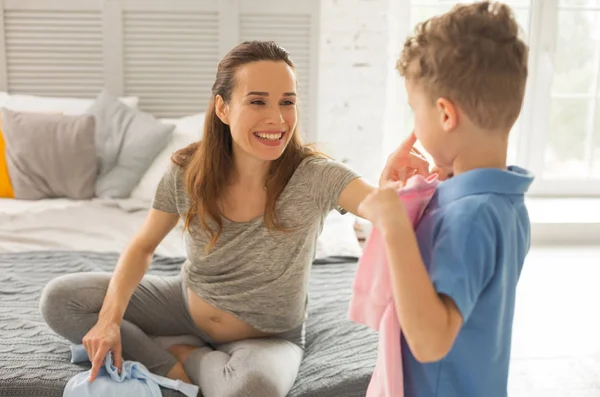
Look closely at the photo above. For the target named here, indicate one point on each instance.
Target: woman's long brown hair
(209, 163)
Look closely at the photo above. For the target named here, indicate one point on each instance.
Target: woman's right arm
(134, 263)
(131, 267)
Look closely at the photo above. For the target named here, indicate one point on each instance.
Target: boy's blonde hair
(473, 56)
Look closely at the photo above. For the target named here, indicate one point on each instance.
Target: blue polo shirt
(473, 238)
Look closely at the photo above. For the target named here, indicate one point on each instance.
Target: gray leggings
(157, 317)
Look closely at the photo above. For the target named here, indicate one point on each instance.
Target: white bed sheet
(61, 224)
(108, 225)
(11, 206)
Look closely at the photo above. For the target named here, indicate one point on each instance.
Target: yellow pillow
(6, 189)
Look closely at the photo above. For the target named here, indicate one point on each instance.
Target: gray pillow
(127, 141)
(50, 155)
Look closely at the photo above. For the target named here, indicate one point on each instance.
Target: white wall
(358, 84)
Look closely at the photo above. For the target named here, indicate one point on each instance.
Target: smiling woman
(272, 137)
(254, 199)
(269, 116)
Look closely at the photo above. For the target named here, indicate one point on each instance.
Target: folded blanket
(134, 380)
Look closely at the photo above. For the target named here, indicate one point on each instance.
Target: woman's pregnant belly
(219, 325)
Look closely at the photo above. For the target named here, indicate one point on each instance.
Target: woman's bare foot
(181, 352)
(178, 373)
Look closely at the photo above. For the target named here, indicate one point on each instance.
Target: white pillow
(187, 130)
(40, 104)
(189, 125)
(338, 238)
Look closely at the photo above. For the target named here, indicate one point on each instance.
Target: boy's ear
(222, 109)
(448, 114)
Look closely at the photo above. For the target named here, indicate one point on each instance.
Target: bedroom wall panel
(170, 56)
(165, 52)
(53, 48)
(3, 72)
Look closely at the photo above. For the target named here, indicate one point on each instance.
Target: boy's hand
(383, 207)
(443, 173)
(404, 162)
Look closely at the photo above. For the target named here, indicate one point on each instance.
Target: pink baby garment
(372, 301)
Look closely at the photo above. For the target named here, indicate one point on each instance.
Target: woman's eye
(288, 103)
(258, 102)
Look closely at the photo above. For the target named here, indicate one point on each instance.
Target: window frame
(543, 27)
(530, 137)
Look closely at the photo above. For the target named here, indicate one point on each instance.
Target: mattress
(340, 355)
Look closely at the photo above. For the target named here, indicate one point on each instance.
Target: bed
(41, 239)
(339, 359)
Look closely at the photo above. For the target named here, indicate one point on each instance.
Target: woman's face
(261, 112)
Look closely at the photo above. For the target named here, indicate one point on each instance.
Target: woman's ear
(448, 114)
(222, 109)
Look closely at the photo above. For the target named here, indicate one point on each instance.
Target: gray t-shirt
(259, 275)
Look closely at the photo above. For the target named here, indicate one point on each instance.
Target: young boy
(454, 277)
